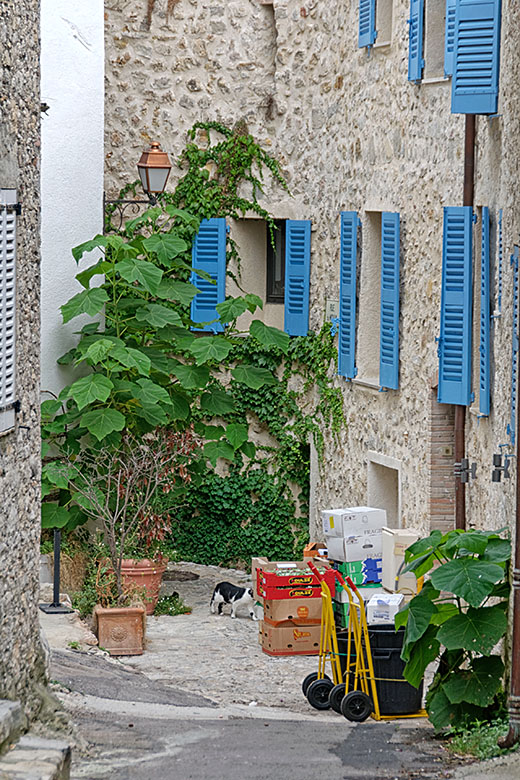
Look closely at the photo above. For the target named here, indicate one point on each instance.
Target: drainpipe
(513, 735)
(460, 411)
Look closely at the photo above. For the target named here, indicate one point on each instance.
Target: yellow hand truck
(354, 693)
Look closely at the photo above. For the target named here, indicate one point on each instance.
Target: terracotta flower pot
(120, 630)
(147, 575)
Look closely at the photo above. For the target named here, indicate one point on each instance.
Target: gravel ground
(216, 656)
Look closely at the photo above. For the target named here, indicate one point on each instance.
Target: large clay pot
(120, 630)
(146, 575)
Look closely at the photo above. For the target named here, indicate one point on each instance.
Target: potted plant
(118, 486)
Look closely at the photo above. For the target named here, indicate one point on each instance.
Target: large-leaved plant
(458, 620)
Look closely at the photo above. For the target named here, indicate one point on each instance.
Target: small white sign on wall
(331, 309)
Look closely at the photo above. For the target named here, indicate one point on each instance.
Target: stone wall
(352, 133)
(21, 664)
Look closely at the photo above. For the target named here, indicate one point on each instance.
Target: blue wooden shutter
(209, 254)
(389, 334)
(456, 307)
(476, 57)
(297, 273)
(485, 319)
(367, 22)
(449, 37)
(347, 295)
(415, 40)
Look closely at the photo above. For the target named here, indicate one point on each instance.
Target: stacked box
(291, 596)
(291, 580)
(395, 542)
(362, 573)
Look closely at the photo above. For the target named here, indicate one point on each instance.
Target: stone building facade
(21, 659)
(352, 134)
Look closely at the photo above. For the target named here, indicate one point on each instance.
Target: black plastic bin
(395, 695)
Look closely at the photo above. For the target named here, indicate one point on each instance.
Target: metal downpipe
(460, 411)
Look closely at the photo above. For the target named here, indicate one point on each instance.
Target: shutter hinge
(474, 218)
(11, 208)
(17, 406)
(438, 340)
(471, 397)
(228, 229)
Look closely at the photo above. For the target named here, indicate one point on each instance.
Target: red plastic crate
(290, 585)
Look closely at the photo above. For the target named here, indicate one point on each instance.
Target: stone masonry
(21, 658)
(352, 133)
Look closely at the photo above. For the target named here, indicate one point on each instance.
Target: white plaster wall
(72, 85)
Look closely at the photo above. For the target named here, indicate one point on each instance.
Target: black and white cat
(226, 593)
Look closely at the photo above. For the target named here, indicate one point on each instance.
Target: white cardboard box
(352, 520)
(358, 547)
(332, 522)
(354, 548)
(395, 541)
(383, 607)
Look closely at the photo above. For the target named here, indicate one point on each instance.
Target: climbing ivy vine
(251, 496)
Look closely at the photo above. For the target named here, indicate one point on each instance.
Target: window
(383, 22)
(375, 22)
(434, 39)
(7, 308)
(384, 486)
(275, 262)
(378, 340)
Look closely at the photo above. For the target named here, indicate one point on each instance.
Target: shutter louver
(456, 307)
(7, 309)
(476, 57)
(297, 276)
(347, 295)
(389, 335)
(449, 37)
(367, 22)
(209, 255)
(485, 319)
(415, 40)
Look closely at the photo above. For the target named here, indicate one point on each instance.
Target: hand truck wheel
(318, 694)
(336, 696)
(356, 706)
(310, 679)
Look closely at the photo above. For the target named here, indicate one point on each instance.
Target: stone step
(12, 723)
(36, 758)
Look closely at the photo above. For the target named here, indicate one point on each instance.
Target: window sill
(371, 384)
(436, 80)
(382, 45)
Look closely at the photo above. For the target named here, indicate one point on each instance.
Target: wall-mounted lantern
(154, 169)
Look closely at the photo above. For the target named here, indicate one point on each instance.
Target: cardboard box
(290, 640)
(395, 541)
(383, 607)
(255, 564)
(301, 611)
(332, 522)
(352, 521)
(366, 591)
(355, 548)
